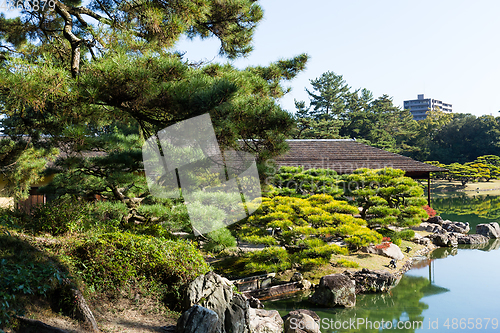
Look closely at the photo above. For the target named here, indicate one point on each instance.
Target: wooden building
(346, 155)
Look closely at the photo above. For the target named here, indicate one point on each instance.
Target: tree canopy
(337, 111)
(76, 73)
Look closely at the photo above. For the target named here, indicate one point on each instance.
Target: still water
(454, 290)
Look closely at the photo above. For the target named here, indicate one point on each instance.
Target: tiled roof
(345, 156)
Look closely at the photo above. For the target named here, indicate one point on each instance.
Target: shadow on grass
(26, 271)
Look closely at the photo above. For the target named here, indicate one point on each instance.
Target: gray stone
(237, 315)
(301, 322)
(265, 321)
(255, 303)
(311, 313)
(372, 281)
(296, 277)
(435, 220)
(471, 239)
(335, 290)
(392, 251)
(444, 240)
(197, 320)
(215, 293)
(490, 230)
(458, 227)
(210, 289)
(435, 229)
(421, 227)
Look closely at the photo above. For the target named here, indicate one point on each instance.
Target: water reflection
(473, 209)
(464, 285)
(403, 304)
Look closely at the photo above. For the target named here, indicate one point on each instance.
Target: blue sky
(446, 49)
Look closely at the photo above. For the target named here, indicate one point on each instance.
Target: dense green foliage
(396, 236)
(24, 271)
(157, 262)
(387, 197)
(294, 181)
(464, 138)
(68, 215)
(335, 111)
(304, 227)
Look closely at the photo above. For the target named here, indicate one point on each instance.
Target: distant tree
(329, 96)
(335, 111)
(438, 175)
(489, 159)
(308, 126)
(427, 131)
(465, 138)
(462, 172)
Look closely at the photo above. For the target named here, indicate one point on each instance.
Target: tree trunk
(83, 312)
(71, 301)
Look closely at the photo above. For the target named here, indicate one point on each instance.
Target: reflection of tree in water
(479, 208)
(403, 303)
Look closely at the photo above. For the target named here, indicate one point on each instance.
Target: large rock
(210, 289)
(389, 250)
(216, 293)
(335, 290)
(371, 281)
(310, 313)
(444, 240)
(197, 320)
(299, 322)
(458, 227)
(236, 317)
(490, 230)
(435, 220)
(435, 229)
(265, 321)
(471, 239)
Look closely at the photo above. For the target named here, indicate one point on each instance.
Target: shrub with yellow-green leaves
(302, 229)
(295, 181)
(386, 197)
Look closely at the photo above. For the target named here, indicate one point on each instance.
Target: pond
(454, 290)
(463, 207)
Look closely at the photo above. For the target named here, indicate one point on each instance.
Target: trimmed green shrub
(111, 261)
(386, 196)
(305, 225)
(406, 234)
(294, 181)
(219, 240)
(270, 259)
(347, 263)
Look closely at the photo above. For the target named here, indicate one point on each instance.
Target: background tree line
(335, 110)
(484, 168)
